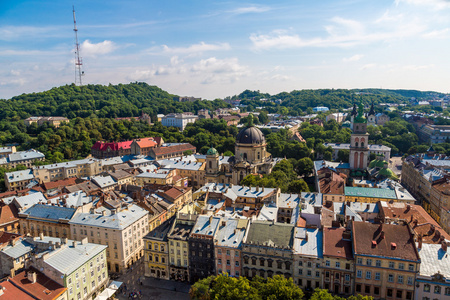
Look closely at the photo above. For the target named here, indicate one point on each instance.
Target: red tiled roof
(44, 288)
(146, 142)
(11, 292)
(421, 222)
(60, 183)
(5, 237)
(8, 213)
(301, 222)
(170, 149)
(102, 146)
(331, 184)
(364, 233)
(334, 244)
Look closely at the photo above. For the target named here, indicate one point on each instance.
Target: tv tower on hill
(78, 60)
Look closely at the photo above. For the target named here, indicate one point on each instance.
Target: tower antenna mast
(78, 60)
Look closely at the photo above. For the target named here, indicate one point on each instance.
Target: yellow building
(157, 251)
(387, 260)
(179, 246)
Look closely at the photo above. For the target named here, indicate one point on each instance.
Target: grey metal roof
(228, 234)
(181, 165)
(236, 191)
(42, 211)
(21, 248)
(308, 242)
(434, 260)
(119, 220)
(204, 226)
(25, 155)
(30, 200)
(67, 260)
(104, 181)
(20, 175)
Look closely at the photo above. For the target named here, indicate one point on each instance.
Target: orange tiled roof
(146, 142)
(417, 218)
(8, 213)
(59, 183)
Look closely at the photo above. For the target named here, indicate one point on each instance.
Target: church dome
(212, 151)
(250, 135)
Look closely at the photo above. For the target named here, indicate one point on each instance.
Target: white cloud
(437, 34)
(197, 48)
(89, 49)
(434, 4)
(368, 66)
(343, 33)
(355, 57)
(250, 9)
(17, 33)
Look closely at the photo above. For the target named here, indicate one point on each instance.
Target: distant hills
(133, 99)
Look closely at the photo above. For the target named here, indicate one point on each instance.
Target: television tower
(78, 60)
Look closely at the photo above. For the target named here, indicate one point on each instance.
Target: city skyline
(218, 49)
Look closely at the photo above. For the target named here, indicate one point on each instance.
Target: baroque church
(251, 157)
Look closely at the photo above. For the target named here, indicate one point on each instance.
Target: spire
(354, 111)
(371, 111)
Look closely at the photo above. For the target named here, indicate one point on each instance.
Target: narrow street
(151, 288)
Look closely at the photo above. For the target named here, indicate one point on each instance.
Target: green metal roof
(212, 151)
(353, 191)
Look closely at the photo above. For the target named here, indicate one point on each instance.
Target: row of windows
(228, 252)
(337, 276)
(437, 289)
(269, 263)
(236, 263)
(337, 265)
(369, 262)
(400, 278)
(376, 291)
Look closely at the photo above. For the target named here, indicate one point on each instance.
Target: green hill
(122, 100)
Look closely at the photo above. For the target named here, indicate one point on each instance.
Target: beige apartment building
(387, 260)
(77, 168)
(122, 230)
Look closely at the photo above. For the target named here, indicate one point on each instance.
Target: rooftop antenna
(78, 60)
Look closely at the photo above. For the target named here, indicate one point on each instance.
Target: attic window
(393, 246)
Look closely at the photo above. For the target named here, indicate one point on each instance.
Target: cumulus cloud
(355, 57)
(89, 49)
(342, 33)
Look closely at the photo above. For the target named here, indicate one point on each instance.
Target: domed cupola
(250, 135)
(212, 151)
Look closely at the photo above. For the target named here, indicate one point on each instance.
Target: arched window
(258, 155)
(245, 156)
(361, 160)
(210, 164)
(355, 160)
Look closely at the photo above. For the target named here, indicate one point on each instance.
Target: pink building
(227, 243)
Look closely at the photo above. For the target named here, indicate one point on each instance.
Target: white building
(178, 120)
(120, 229)
(433, 280)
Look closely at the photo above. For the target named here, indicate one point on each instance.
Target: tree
(321, 294)
(279, 287)
(298, 186)
(343, 155)
(305, 166)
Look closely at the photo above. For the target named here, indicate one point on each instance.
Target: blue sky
(214, 49)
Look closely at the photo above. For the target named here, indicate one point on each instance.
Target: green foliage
(322, 294)
(223, 287)
(282, 176)
(122, 100)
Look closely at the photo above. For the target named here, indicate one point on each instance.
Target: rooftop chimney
(210, 219)
(444, 246)
(32, 276)
(420, 238)
(382, 235)
(41, 236)
(74, 244)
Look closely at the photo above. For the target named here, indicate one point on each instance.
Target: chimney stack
(32, 276)
(41, 236)
(444, 246)
(420, 241)
(382, 235)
